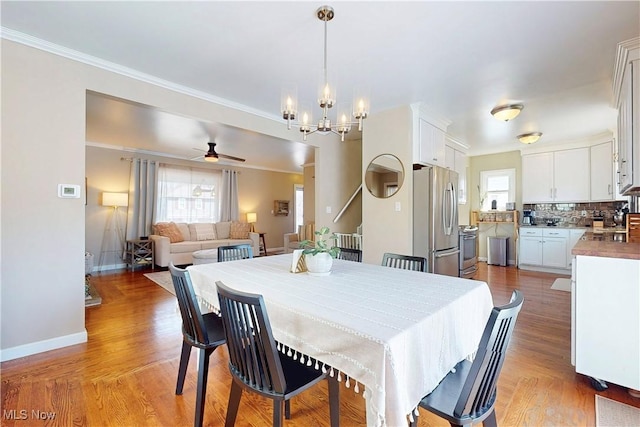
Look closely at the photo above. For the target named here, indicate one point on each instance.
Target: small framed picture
(69, 191)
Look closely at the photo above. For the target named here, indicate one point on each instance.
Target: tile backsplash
(571, 213)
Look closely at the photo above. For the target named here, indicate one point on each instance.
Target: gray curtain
(142, 197)
(229, 205)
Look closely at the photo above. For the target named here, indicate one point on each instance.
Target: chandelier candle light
(326, 100)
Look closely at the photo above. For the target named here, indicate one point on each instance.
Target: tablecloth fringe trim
(310, 361)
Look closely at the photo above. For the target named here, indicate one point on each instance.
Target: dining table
(389, 334)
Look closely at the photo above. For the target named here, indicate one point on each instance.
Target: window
(498, 185)
(298, 192)
(188, 195)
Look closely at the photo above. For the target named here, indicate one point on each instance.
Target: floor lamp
(115, 201)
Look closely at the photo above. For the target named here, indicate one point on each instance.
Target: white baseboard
(100, 268)
(509, 261)
(42, 346)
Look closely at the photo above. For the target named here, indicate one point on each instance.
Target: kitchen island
(608, 244)
(606, 309)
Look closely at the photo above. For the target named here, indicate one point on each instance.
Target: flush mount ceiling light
(326, 99)
(529, 138)
(507, 112)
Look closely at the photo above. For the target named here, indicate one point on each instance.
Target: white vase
(319, 264)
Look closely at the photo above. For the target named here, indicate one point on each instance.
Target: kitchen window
(498, 185)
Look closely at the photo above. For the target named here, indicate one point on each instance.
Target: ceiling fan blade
(225, 156)
(199, 149)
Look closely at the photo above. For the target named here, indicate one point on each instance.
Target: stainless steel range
(468, 251)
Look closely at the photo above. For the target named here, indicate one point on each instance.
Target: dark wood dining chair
(234, 252)
(468, 393)
(349, 254)
(255, 363)
(405, 262)
(202, 331)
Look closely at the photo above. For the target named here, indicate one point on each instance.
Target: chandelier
(326, 99)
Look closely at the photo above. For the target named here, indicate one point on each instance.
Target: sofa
(176, 242)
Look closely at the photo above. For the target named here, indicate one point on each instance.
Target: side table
(139, 252)
(263, 244)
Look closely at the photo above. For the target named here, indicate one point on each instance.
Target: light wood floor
(125, 374)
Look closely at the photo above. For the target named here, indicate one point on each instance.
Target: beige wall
(42, 277)
(43, 144)
(384, 228)
(508, 160)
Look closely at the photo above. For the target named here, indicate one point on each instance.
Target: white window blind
(188, 194)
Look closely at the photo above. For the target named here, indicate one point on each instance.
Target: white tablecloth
(398, 332)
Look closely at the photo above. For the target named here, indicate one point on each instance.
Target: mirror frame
(400, 175)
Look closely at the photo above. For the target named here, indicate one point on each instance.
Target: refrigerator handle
(454, 207)
(448, 196)
(456, 252)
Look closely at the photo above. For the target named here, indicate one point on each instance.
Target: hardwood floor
(125, 374)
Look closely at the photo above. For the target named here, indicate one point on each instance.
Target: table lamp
(252, 218)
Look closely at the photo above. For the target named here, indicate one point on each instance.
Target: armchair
(292, 240)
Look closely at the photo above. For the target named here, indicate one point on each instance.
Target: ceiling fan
(213, 156)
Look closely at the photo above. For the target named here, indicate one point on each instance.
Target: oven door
(468, 255)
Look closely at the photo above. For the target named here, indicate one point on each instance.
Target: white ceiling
(459, 58)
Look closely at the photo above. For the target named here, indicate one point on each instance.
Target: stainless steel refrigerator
(435, 218)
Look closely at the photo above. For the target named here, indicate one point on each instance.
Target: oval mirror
(384, 176)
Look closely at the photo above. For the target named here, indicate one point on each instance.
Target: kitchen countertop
(607, 244)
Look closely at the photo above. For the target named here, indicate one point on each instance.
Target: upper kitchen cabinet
(602, 184)
(557, 176)
(457, 161)
(428, 137)
(627, 94)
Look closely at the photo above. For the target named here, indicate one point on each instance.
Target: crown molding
(25, 39)
(623, 56)
(454, 142)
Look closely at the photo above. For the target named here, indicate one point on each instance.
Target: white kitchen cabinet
(457, 161)
(544, 247)
(530, 246)
(627, 89)
(554, 248)
(602, 184)
(557, 176)
(537, 177)
(607, 319)
(571, 175)
(430, 147)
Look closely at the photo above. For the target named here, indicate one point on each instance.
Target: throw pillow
(170, 230)
(239, 230)
(204, 231)
(223, 229)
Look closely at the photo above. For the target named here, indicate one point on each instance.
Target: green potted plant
(319, 253)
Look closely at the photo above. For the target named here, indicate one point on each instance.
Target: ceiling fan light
(210, 158)
(507, 112)
(529, 138)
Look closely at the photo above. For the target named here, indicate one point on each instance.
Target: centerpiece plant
(319, 253)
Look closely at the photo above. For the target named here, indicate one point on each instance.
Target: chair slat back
(234, 252)
(479, 390)
(350, 254)
(253, 356)
(350, 241)
(405, 262)
(192, 321)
